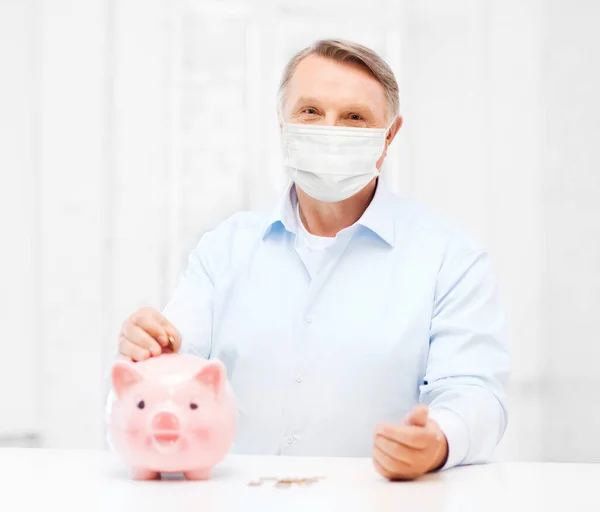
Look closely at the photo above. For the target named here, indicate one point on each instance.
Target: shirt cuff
(457, 434)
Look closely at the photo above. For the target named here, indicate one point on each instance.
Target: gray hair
(346, 51)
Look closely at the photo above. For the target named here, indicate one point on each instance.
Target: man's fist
(409, 450)
(147, 333)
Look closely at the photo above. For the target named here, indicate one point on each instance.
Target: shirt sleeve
(468, 360)
(190, 308)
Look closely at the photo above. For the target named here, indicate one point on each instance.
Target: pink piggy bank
(172, 413)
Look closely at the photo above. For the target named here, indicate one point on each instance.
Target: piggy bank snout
(165, 420)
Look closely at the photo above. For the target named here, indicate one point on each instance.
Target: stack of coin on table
(285, 483)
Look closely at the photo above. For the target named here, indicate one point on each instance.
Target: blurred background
(130, 127)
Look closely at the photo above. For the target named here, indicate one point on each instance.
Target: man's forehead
(315, 67)
(321, 78)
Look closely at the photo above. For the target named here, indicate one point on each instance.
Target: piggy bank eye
(141, 404)
(193, 406)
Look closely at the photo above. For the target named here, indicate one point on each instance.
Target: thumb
(417, 417)
(174, 338)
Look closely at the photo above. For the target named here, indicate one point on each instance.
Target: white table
(77, 480)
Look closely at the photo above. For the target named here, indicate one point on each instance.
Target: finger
(149, 321)
(418, 438)
(391, 467)
(140, 337)
(131, 350)
(418, 416)
(173, 335)
(411, 436)
(396, 451)
(381, 470)
(174, 338)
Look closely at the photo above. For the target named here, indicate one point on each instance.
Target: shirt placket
(301, 381)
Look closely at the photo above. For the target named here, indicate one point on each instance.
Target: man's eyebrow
(307, 99)
(361, 107)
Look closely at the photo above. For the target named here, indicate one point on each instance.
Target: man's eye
(310, 111)
(355, 117)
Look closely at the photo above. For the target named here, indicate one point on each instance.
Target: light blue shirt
(404, 310)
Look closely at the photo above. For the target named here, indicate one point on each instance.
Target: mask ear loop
(387, 130)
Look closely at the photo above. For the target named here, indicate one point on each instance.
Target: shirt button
(291, 440)
(310, 319)
(299, 379)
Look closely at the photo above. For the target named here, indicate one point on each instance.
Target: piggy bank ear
(212, 375)
(124, 376)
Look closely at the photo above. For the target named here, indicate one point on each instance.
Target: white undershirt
(311, 248)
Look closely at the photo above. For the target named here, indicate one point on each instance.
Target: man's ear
(394, 129)
(124, 375)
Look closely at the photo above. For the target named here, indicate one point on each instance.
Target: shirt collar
(379, 215)
(377, 218)
(283, 212)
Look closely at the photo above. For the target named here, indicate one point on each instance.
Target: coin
(286, 482)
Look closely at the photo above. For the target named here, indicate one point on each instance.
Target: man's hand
(409, 450)
(147, 333)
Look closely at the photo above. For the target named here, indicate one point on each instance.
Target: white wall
(19, 305)
(473, 121)
(74, 218)
(571, 209)
(139, 125)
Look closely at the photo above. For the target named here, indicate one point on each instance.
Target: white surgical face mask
(332, 163)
